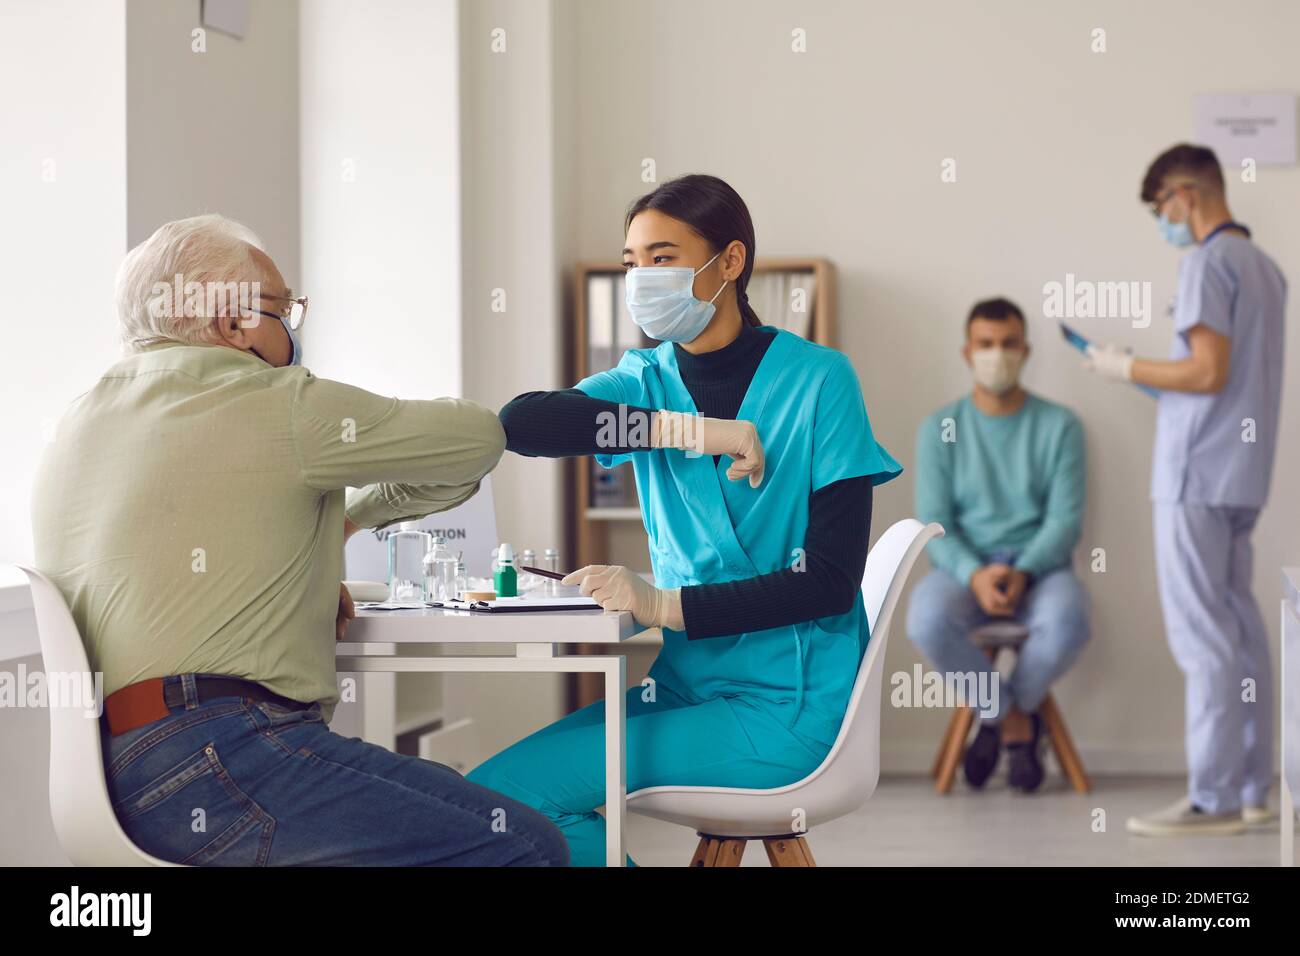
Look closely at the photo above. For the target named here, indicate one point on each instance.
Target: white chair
(83, 814)
(726, 818)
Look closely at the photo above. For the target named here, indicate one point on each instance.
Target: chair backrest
(852, 768)
(84, 821)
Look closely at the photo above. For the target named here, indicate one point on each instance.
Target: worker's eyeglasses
(1167, 195)
(295, 313)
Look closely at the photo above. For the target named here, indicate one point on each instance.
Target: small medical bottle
(406, 550)
(527, 580)
(439, 572)
(506, 578)
(462, 575)
(551, 562)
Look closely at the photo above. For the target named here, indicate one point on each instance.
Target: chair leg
(717, 851)
(953, 747)
(788, 851)
(943, 747)
(1063, 746)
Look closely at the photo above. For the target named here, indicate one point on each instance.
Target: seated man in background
(1003, 472)
(191, 509)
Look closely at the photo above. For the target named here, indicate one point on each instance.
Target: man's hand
(1017, 584)
(347, 611)
(616, 588)
(990, 585)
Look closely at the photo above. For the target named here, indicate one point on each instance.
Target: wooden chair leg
(705, 852)
(788, 851)
(943, 747)
(716, 851)
(953, 748)
(1063, 746)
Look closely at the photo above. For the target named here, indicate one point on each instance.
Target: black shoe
(1025, 772)
(982, 755)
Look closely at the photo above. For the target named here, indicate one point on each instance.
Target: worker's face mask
(661, 300)
(1175, 233)
(997, 370)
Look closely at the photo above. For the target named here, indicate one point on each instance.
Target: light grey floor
(907, 824)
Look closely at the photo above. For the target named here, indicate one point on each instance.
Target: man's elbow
(492, 440)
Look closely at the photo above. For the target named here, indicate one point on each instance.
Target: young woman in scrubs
(754, 463)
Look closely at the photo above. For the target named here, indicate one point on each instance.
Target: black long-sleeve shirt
(563, 423)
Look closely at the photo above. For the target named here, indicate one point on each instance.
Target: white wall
(515, 229)
(380, 194)
(838, 152)
(216, 130)
(63, 196)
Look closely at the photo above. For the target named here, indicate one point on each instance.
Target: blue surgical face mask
(1175, 233)
(661, 300)
(296, 357)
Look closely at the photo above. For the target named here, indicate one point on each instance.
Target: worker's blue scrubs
(1210, 478)
(746, 710)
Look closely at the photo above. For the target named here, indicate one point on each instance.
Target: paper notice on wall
(1254, 126)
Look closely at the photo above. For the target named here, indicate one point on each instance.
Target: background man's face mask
(997, 370)
(661, 299)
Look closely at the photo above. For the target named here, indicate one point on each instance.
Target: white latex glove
(1110, 362)
(616, 588)
(713, 436)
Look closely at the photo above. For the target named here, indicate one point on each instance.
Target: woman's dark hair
(715, 211)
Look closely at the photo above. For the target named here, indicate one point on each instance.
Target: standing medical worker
(1216, 432)
(754, 463)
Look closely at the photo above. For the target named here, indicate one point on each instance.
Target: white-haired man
(192, 509)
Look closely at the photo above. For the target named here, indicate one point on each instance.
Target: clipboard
(1081, 343)
(508, 605)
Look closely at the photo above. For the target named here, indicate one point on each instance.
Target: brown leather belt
(148, 700)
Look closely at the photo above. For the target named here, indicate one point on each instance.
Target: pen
(555, 575)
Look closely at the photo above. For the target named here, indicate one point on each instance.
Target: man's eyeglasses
(1167, 195)
(294, 313)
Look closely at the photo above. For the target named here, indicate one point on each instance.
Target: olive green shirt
(190, 509)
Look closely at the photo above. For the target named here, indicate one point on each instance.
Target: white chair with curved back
(83, 814)
(727, 818)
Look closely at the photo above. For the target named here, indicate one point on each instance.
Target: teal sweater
(1009, 483)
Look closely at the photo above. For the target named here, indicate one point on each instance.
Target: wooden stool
(789, 850)
(991, 638)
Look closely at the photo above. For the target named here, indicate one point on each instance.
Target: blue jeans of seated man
(236, 782)
(942, 612)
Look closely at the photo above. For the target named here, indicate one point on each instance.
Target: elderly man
(192, 510)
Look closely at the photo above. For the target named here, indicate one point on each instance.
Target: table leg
(615, 760)
(614, 668)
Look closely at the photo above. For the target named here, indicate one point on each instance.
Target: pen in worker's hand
(544, 572)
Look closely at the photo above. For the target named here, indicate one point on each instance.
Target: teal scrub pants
(722, 742)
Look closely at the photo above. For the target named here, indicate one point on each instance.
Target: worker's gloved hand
(712, 436)
(1110, 362)
(616, 588)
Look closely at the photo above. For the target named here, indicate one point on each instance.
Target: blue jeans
(942, 612)
(236, 782)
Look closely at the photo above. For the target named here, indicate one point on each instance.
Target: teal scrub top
(704, 528)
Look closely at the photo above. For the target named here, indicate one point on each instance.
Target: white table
(529, 640)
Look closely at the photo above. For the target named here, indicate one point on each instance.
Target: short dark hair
(1196, 162)
(998, 309)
